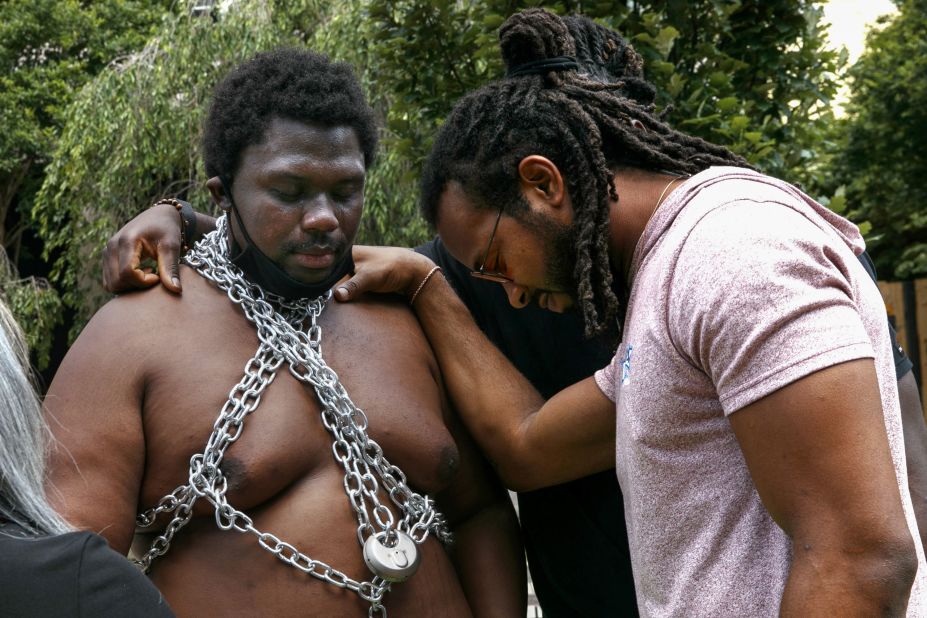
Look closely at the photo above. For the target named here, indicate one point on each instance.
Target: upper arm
(818, 453)
(776, 326)
(475, 486)
(93, 407)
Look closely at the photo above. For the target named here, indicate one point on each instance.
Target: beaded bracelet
(422, 284)
(187, 220)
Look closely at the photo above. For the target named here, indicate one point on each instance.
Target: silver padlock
(394, 562)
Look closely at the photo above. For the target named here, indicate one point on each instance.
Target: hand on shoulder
(384, 270)
(152, 235)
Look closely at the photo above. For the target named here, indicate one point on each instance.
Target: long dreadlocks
(588, 121)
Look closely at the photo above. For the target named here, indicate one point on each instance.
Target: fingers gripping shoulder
(384, 270)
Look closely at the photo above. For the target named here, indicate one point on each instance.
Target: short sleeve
(111, 586)
(605, 378)
(761, 297)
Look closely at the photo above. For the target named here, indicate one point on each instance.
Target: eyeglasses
(482, 273)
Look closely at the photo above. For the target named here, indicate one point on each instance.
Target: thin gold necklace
(663, 193)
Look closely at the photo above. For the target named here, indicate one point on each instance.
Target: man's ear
(542, 185)
(217, 191)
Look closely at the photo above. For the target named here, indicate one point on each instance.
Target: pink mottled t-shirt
(741, 285)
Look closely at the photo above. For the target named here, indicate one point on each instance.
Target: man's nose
(518, 294)
(319, 215)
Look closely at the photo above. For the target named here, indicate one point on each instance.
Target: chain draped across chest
(289, 333)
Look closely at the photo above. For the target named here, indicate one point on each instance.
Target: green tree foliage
(750, 74)
(48, 50)
(753, 75)
(883, 160)
(36, 306)
(133, 134)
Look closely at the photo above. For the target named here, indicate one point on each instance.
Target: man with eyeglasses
(757, 425)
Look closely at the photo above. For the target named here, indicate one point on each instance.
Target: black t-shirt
(903, 364)
(73, 574)
(574, 533)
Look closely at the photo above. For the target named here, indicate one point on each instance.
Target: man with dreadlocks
(299, 488)
(758, 439)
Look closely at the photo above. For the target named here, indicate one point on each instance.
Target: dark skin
(861, 558)
(124, 443)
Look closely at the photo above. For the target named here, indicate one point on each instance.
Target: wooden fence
(906, 303)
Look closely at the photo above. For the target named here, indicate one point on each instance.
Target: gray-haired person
(48, 569)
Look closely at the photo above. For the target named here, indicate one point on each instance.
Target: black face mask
(265, 272)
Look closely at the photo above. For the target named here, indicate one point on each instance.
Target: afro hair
(290, 83)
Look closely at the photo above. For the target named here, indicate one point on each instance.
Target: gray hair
(24, 438)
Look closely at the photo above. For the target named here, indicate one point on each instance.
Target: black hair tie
(542, 66)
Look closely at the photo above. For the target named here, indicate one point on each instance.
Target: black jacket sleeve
(109, 585)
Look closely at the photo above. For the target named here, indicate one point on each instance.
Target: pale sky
(848, 22)
(849, 19)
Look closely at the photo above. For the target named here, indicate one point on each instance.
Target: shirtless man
(287, 143)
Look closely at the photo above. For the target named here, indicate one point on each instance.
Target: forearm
(490, 562)
(532, 443)
(574, 430)
(494, 400)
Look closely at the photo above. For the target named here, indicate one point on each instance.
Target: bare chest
(384, 366)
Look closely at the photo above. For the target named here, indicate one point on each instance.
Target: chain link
(279, 324)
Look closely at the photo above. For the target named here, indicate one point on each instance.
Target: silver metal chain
(280, 323)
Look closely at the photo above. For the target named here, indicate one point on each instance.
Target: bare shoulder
(132, 327)
(381, 334)
(97, 401)
(381, 316)
(387, 307)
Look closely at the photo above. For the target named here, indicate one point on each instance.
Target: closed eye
(497, 265)
(347, 191)
(345, 196)
(286, 196)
